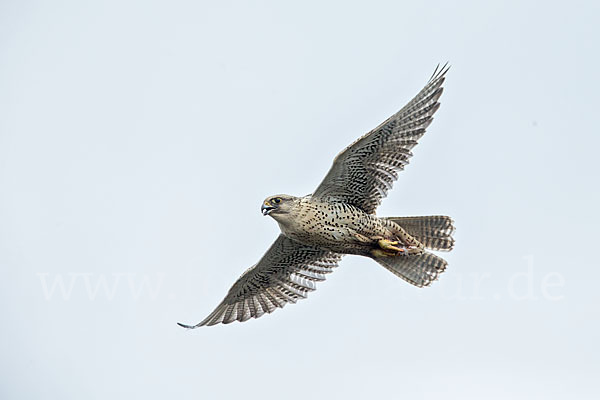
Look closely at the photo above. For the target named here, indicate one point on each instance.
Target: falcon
(339, 218)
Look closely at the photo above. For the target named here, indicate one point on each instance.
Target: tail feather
(434, 232)
(420, 270)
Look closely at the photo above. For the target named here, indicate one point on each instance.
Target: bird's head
(278, 205)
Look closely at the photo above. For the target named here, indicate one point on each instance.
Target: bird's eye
(276, 200)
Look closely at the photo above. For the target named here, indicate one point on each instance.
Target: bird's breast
(335, 226)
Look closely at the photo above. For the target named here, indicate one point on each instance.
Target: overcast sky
(139, 138)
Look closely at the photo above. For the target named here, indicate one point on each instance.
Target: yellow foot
(389, 245)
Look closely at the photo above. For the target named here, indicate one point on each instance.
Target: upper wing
(286, 273)
(362, 173)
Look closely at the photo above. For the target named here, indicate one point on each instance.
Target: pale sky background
(139, 138)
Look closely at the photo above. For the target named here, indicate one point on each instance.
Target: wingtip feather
(439, 73)
(188, 326)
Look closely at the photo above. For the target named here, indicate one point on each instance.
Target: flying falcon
(339, 218)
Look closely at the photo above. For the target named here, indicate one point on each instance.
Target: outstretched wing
(286, 273)
(363, 173)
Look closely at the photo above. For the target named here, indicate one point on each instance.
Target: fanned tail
(420, 270)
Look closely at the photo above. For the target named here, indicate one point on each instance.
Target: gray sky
(138, 140)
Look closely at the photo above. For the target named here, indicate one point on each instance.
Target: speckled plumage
(338, 227)
(339, 218)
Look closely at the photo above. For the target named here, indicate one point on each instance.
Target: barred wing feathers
(285, 274)
(363, 173)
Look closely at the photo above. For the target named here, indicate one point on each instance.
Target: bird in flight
(339, 218)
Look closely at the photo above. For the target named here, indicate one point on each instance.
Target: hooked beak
(266, 209)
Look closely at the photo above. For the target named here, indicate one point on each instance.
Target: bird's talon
(390, 245)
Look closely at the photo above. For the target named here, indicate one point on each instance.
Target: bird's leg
(411, 245)
(389, 245)
(404, 244)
